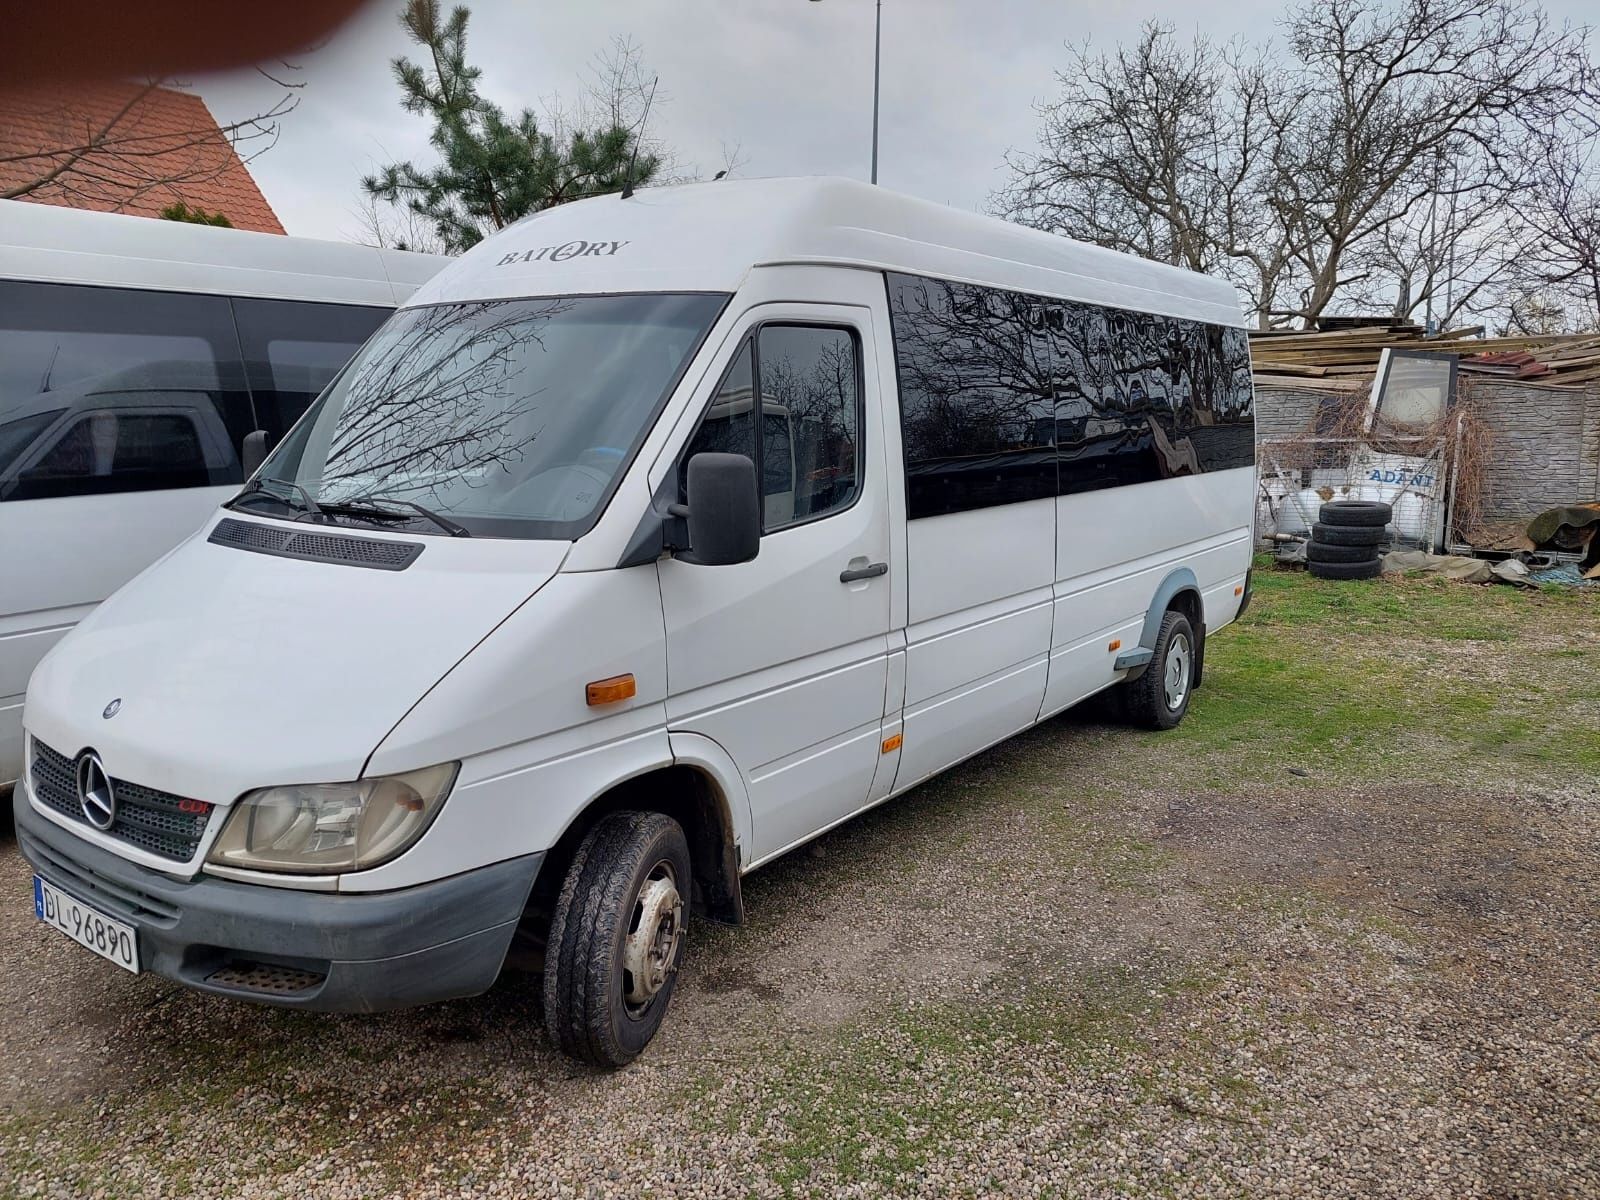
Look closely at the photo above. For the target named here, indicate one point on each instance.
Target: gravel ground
(1067, 968)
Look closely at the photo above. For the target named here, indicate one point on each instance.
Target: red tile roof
(160, 146)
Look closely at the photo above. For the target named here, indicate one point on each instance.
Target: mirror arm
(675, 529)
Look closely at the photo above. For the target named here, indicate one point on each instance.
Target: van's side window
(292, 350)
(1007, 397)
(807, 443)
(115, 451)
(976, 399)
(810, 405)
(727, 427)
(165, 365)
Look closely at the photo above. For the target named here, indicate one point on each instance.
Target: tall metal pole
(877, 56)
(877, 64)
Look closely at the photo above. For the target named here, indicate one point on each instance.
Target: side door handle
(870, 571)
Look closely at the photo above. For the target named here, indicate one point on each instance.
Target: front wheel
(616, 938)
(1159, 698)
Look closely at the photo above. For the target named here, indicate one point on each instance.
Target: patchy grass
(1390, 677)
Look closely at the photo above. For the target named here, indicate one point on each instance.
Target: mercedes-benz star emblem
(112, 709)
(95, 797)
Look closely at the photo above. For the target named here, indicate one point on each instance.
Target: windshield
(511, 418)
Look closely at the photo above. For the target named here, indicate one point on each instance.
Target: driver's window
(727, 427)
(806, 447)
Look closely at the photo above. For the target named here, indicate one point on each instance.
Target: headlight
(326, 828)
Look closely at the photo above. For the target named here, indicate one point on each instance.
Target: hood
(237, 669)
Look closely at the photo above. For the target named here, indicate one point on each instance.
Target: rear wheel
(1159, 698)
(616, 938)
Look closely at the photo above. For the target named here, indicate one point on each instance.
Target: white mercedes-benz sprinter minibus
(652, 538)
(135, 357)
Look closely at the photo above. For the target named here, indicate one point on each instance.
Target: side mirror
(253, 452)
(724, 510)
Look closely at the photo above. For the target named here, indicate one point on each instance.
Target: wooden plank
(1291, 369)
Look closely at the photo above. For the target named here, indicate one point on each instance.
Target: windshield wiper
(258, 485)
(363, 506)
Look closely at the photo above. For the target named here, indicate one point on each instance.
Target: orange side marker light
(1239, 591)
(891, 744)
(609, 691)
(1116, 644)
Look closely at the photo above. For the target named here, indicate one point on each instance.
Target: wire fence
(1295, 476)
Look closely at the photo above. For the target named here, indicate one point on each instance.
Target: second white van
(136, 356)
(649, 540)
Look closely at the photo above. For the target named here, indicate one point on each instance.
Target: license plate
(108, 938)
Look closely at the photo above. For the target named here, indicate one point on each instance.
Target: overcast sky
(788, 82)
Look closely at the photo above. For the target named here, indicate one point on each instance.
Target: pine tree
(180, 211)
(493, 169)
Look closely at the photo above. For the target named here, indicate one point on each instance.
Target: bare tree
(1559, 266)
(1389, 91)
(120, 156)
(1379, 157)
(1164, 150)
(1449, 260)
(1136, 152)
(394, 227)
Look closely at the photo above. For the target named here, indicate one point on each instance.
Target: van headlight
(327, 828)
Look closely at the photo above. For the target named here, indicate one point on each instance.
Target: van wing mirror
(253, 452)
(724, 510)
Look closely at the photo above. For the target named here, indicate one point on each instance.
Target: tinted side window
(1142, 397)
(72, 350)
(976, 399)
(727, 427)
(115, 451)
(293, 349)
(807, 444)
(1104, 403)
(17, 436)
(810, 405)
(1225, 423)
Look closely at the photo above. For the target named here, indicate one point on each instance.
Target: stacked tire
(1346, 542)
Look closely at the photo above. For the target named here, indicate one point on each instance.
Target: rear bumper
(322, 951)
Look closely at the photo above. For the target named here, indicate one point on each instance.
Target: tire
(1147, 700)
(1318, 552)
(1360, 570)
(1356, 513)
(617, 872)
(1344, 535)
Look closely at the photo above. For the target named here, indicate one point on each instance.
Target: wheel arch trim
(1177, 582)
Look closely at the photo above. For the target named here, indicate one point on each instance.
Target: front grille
(288, 542)
(159, 823)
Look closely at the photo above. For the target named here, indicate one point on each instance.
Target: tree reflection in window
(442, 407)
(1122, 397)
(514, 416)
(977, 405)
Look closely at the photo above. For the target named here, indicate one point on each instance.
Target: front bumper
(323, 951)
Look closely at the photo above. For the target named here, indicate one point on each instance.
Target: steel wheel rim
(655, 930)
(1175, 673)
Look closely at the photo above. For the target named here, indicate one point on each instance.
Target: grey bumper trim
(436, 941)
